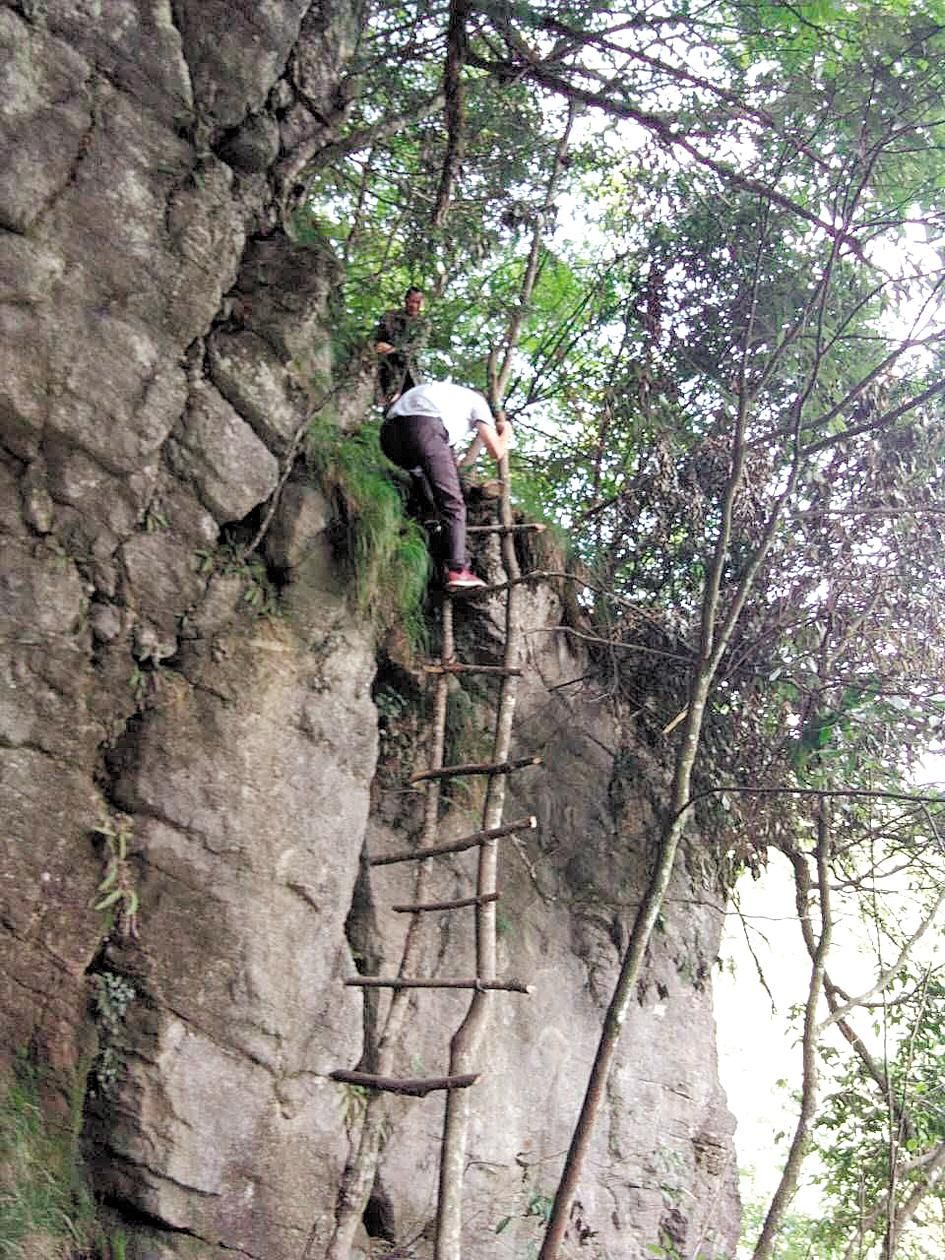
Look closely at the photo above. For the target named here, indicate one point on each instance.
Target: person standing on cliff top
(419, 432)
(399, 338)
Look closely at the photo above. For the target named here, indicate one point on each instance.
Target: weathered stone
(41, 593)
(114, 205)
(205, 228)
(136, 45)
(244, 934)
(162, 577)
(224, 596)
(350, 405)
(45, 644)
(107, 622)
(48, 932)
(45, 115)
(251, 377)
(569, 891)
(244, 748)
(236, 52)
(298, 526)
(187, 1094)
(29, 270)
(329, 34)
(24, 379)
(77, 480)
(138, 185)
(10, 476)
(38, 509)
(231, 468)
(152, 644)
(175, 506)
(115, 392)
(254, 146)
(284, 289)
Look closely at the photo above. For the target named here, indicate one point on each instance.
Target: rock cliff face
(163, 343)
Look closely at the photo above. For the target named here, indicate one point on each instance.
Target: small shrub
(229, 559)
(113, 995)
(116, 896)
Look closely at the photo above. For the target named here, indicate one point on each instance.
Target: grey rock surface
(45, 115)
(250, 375)
(245, 777)
(232, 470)
(236, 52)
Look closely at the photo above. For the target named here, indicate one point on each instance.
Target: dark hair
(413, 289)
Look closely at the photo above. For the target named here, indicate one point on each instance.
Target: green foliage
(748, 257)
(797, 1236)
(531, 1213)
(116, 896)
(740, 259)
(46, 1205)
(154, 520)
(353, 1103)
(863, 1131)
(386, 552)
(470, 736)
(259, 594)
(43, 1194)
(504, 924)
(401, 721)
(113, 995)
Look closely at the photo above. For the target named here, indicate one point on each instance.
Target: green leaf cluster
(872, 1143)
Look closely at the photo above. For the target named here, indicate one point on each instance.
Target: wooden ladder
(482, 899)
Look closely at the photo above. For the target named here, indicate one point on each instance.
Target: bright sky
(755, 1050)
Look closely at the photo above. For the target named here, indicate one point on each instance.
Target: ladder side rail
(358, 1178)
(468, 1038)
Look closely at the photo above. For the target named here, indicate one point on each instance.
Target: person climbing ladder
(419, 432)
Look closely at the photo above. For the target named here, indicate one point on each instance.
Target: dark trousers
(395, 375)
(420, 445)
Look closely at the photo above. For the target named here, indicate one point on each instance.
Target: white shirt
(460, 409)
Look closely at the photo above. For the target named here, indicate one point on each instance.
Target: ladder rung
(498, 587)
(418, 1088)
(402, 982)
(481, 900)
(456, 668)
(506, 529)
(496, 767)
(456, 846)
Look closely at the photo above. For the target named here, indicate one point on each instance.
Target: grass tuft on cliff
(386, 552)
(45, 1205)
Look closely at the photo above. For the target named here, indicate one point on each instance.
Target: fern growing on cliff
(385, 551)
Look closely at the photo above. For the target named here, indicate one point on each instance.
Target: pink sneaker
(462, 580)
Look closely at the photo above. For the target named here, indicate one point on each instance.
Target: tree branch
(456, 47)
(662, 128)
